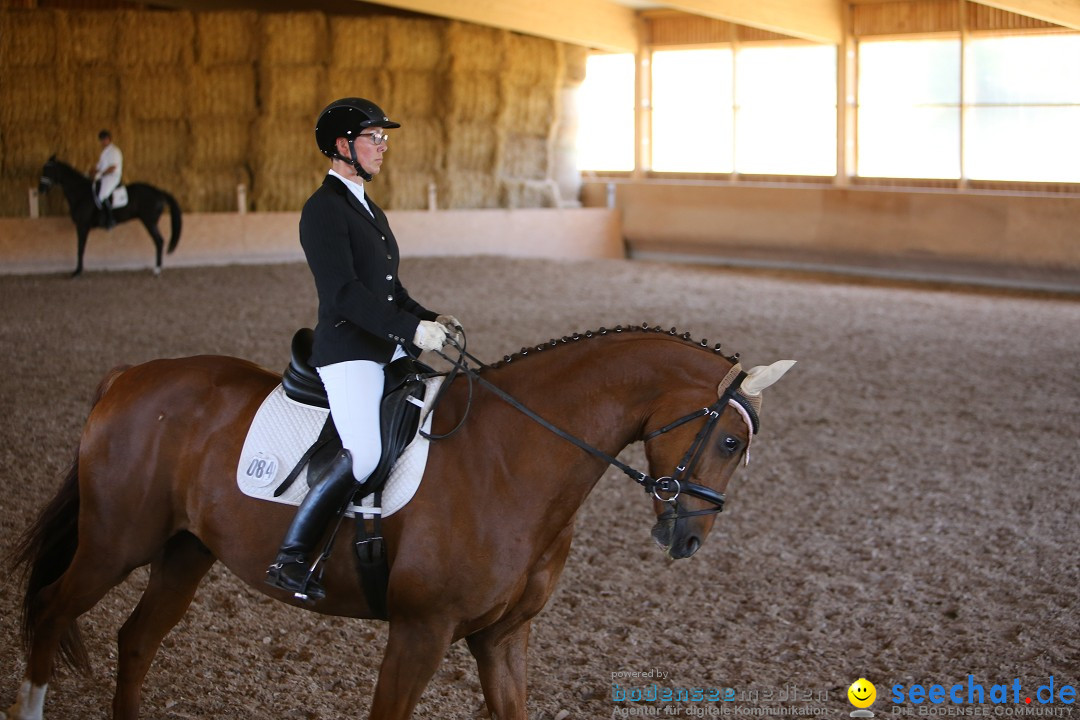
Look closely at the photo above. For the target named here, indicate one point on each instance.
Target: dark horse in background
(145, 202)
(475, 554)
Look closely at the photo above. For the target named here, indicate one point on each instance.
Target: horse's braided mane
(618, 329)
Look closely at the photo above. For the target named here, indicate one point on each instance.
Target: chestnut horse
(475, 554)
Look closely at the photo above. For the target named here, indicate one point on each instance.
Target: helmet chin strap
(355, 162)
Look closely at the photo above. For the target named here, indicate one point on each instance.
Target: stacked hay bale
(292, 90)
(222, 109)
(200, 102)
(154, 56)
(415, 51)
(33, 88)
(357, 54)
(474, 116)
(531, 82)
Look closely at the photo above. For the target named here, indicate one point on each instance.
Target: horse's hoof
(157, 272)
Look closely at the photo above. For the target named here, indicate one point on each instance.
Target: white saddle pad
(119, 197)
(284, 429)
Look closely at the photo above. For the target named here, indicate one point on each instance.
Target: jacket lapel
(340, 189)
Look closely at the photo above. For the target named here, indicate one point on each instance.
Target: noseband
(666, 489)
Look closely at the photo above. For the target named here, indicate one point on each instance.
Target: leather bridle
(666, 489)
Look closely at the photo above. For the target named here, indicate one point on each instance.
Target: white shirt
(110, 155)
(356, 188)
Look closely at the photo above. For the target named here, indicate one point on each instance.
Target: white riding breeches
(108, 183)
(355, 389)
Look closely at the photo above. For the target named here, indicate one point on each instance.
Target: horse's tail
(46, 549)
(174, 213)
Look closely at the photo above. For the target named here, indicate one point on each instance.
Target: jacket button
(390, 298)
(389, 277)
(389, 257)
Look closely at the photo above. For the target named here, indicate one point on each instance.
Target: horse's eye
(729, 444)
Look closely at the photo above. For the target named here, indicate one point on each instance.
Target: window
(692, 119)
(785, 99)
(765, 110)
(1023, 121)
(605, 139)
(909, 109)
(1012, 116)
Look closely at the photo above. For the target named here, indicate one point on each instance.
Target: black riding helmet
(346, 118)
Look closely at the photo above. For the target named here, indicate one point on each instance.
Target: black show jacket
(364, 310)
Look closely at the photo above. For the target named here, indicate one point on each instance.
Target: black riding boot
(292, 568)
(108, 220)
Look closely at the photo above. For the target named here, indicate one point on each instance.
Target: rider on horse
(106, 175)
(366, 319)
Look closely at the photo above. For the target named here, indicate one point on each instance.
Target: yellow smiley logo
(862, 693)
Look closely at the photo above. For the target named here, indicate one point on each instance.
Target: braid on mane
(618, 329)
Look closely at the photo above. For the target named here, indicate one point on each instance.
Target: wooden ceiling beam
(817, 20)
(597, 24)
(1059, 12)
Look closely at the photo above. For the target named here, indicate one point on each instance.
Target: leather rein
(666, 489)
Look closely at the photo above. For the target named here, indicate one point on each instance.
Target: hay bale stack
(214, 190)
(358, 82)
(292, 38)
(404, 189)
(473, 96)
(468, 189)
(155, 38)
(89, 38)
(222, 109)
(27, 39)
(154, 55)
(415, 44)
(222, 91)
(292, 91)
(201, 101)
(415, 68)
(530, 90)
(529, 194)
(87, 56)
(287, 167)
(226, 38)
(34, 92)
(357, 43)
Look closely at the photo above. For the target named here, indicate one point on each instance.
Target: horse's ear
(762, 376)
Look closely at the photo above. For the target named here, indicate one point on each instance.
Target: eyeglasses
(377, 138)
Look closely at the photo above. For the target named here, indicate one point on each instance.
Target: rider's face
(368, 153)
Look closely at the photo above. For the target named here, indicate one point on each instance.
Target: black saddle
(403, 396)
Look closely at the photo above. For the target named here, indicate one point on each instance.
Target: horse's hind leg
(159, 241)
(53, 614)
(174, 577)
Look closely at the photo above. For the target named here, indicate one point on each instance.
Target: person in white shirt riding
(106, 176)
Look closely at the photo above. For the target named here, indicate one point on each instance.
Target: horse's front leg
(414, 650)
(501, 659)
(83, 233)
(501, 649)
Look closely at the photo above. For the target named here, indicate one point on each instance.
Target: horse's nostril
(692, 545)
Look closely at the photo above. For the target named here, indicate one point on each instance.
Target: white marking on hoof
(29, 704)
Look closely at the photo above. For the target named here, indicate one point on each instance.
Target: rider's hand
(429, 335)
(451, 323)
